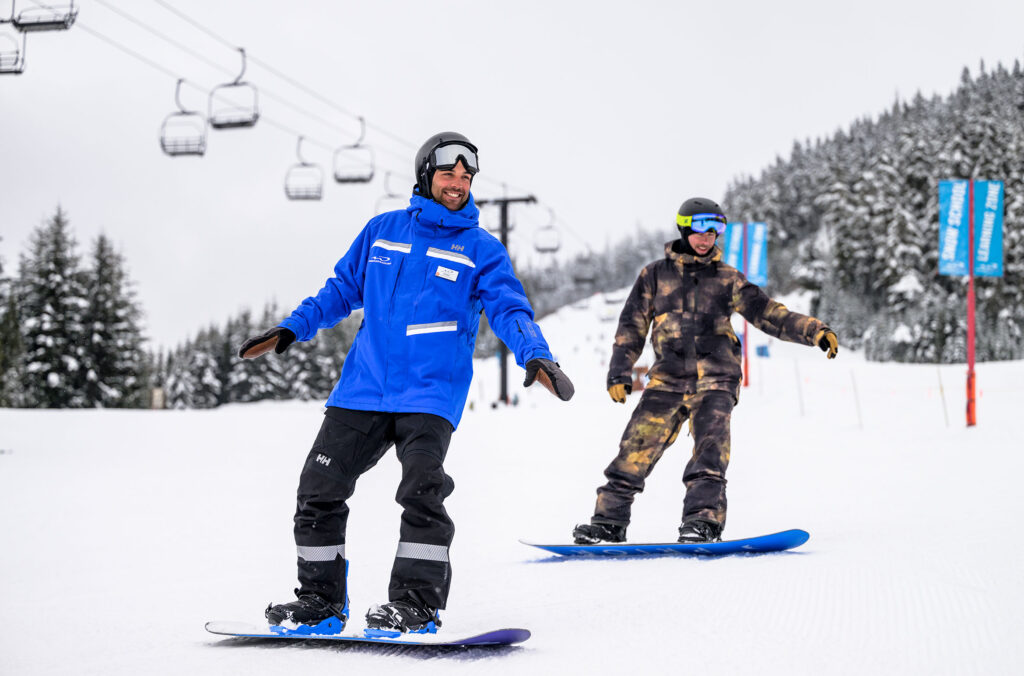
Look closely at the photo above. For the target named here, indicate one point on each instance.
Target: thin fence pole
(856, 400)
(942, 395)
(799, 387)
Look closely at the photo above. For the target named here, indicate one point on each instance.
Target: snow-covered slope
(121, 532)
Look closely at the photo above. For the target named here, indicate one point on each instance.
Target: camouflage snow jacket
(689, 300)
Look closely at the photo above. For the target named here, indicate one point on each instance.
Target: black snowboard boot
(698, 530)
(403, 616)
(311, 609)
(593, 533)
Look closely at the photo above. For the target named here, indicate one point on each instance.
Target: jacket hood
(673, 254)
(434, 213)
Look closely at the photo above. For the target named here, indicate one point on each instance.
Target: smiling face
(450, 187)
(702, 242)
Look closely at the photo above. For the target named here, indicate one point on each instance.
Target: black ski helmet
(426, 164)
(692, 207)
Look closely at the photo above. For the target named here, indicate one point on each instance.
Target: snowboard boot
(593, 533)
(311, 610)
(400, 617)
(698, 530)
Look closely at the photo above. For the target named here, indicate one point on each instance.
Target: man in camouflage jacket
(687, 300)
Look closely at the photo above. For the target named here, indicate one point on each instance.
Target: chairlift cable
(167, 71)
(231, 73)
(294, 83)
(283, 76)
(160, 67)
(131, 52)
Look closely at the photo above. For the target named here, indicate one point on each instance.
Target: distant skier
(422, 276)
(689, 297)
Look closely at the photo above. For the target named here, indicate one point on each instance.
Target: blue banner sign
(757, 262)
(988, 228)
(732, 245)
(756, 267)
(953, 228)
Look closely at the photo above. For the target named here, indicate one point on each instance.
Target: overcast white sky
(611, 113)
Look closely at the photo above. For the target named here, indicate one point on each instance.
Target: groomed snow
(122, 532)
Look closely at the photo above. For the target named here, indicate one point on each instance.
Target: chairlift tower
(503, 203)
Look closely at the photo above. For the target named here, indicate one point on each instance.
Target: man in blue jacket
(422, 276)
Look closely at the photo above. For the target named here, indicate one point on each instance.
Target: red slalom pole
(971, 402)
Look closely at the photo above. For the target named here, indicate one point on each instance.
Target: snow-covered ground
(122, 532)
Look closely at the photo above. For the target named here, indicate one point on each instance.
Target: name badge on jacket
(447, 273)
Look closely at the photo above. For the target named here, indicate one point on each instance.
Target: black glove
(277, 338)
(550, 376)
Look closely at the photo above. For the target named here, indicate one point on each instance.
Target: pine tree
(53, 298)
(114, 356)
(11, 348)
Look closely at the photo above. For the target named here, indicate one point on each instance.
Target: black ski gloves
(828, 342)
(550, 376)
(277, 339)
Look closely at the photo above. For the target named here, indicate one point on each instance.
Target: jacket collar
(428, 212)
(681, 259)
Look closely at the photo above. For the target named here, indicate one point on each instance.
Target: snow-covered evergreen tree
(114, 356)
(11, 348)
(52, 301)
(868, 244)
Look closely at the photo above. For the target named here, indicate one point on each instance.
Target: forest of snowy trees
(853, 219)
(70, 335)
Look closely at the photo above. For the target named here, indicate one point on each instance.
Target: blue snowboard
(497, 637)
(776, 542)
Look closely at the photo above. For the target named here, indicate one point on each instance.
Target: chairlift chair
(40, 18)
(354, 163)
(585, 271)
(12, 55)
(547, 238)
(225, 109)
(183, 132)
(391, 200)
(305, 180)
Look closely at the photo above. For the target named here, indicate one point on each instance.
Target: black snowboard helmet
(443, 151)
(706, 212)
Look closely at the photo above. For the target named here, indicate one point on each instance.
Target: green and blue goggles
(702, 222)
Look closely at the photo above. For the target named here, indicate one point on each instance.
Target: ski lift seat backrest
(227, 113)
(353, 164)
(305, 180)
(12, 55)
(547, 240)
(234, 105)
(183, 132)
(45, 18)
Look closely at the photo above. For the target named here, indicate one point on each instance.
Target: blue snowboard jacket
(422, 277)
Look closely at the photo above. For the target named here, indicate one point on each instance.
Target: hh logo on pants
(323, 459)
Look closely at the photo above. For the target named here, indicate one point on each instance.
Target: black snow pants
(349, 443)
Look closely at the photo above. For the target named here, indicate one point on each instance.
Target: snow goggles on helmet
(447, 156)
(702, 222)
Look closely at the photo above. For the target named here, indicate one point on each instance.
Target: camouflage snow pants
(652, 429)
